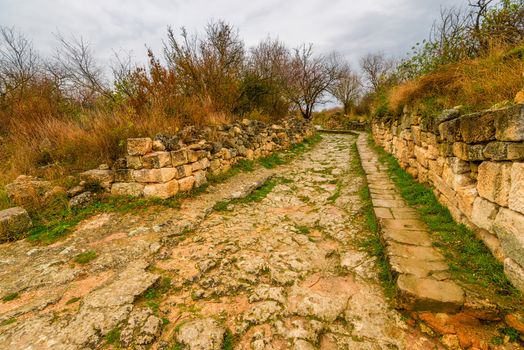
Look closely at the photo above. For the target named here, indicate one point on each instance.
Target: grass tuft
(9, 297)
(86, 257)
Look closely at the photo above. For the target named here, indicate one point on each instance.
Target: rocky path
(280, 269)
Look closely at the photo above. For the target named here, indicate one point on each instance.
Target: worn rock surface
(286, 271)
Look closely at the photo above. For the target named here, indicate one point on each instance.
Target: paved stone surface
(285, 272)
(421, 271)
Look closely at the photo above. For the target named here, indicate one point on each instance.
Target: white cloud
(350, 27)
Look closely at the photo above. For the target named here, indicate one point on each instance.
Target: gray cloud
(349, 27)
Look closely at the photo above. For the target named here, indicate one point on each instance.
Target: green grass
(336, 194)
(4, 200)
(8, 321)
(73, 300)
(271, 161)
(85, 257)
(113, 336)
(229, 340)
(470, 261)
(372, 244)
(303, 230)
(9, 297)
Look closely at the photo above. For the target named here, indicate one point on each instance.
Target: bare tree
(19, 62)
(76, 60)
(377, 69)
(346, 88)
(309, 78)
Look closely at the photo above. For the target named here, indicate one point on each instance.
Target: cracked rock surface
(286, 271)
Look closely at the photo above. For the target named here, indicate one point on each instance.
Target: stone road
(285, 272)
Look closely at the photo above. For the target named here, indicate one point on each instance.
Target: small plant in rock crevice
(85, 257)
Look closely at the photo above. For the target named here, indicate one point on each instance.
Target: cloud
(352, 28)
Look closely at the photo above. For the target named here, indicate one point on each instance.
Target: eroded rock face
(205, 334)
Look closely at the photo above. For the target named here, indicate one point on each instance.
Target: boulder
(27, 190)
(203, 334)
(81, 201)
(510, 124)
(13, 223)
(186, 183)
(102, 177)
(139, 146)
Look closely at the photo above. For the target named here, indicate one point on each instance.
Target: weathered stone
(157, 160)
(494, 180)
(183, 171)
(450, 130)
(127, 189)
(504, 151)
(458, 166)
(154, 175)
(477, 127)
(161, 190)
(516, 192)
(466, 196)
(200, 178)
(484, 213)
(203, 334)
(123, 175)
(179, 157)
(416, 266)
(83, 200)
(134, 162)
(27, 190)
(426, 294)
(515, 273)
(509, 227)
(13, 222)
(186, 184)
(139, 146)
(102, 177)
(510, 124)
(158, 145)
(412, 251)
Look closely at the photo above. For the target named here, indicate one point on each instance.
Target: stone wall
(169, 164)
(475, 163)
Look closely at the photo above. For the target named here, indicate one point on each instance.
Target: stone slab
(411, 251)
(403, 224)
(417, 238)
(427, 294)
(416, 267)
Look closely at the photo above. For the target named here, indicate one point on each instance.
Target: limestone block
(458, 166)
(134, 162)
(516, 193)
(139, 146)
(123, 175)
(510, 125)
(417, 137)
(466, 197)
(13, 222)
(450, 130)
(205, 162)
(154, 175)
(127, 189)
(179, 157)
(200, 178)
(421, 155)
(432, 152)
(460, 150)
(161, 190)
(445, 149)
(427, 294)
(494, 181)
(434, 167)
(196, 166)
(509, 227)
(515, 273)
(484, 213)
(186, 183)
(158, 145)
(183, 171)
(476, 128)
(157, 160)
(103, 177)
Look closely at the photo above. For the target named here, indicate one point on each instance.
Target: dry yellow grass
(476, 84)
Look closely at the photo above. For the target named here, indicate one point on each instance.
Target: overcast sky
(352, 28)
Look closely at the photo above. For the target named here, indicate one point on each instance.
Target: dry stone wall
(169, 164)
(475, 163)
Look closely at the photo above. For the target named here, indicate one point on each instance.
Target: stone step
(420, 271)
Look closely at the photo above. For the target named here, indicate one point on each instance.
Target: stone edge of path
(333, 131)
(419, 270)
